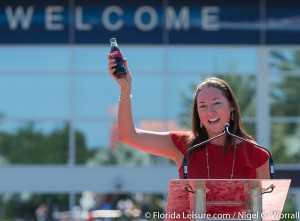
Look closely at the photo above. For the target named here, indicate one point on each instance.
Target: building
(55, 90)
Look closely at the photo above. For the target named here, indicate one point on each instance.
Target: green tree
(124, 155)
(19, 206)
(285, 103)
(31, 146)
(285, 93)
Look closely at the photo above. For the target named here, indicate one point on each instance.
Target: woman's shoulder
(253, 154)
(253, 149)
(180, 137)
(181, 134)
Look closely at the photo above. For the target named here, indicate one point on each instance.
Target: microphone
(185, 167)
(271, 163)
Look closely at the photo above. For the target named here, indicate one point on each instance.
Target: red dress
(248, 158)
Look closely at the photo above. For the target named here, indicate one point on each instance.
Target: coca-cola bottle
(116, 54)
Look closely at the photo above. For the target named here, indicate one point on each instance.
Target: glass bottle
(116, 54)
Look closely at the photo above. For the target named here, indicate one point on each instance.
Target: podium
(222, 199)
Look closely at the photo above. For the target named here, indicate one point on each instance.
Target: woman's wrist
(122, 99)
(125, 95)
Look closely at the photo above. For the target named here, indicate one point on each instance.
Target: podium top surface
(228, 196)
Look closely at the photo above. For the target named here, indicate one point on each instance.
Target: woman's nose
(210, 109)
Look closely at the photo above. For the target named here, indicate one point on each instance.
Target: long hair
(199, 134)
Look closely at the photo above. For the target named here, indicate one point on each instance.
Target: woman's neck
(219, 141)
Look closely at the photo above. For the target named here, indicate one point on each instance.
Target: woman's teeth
(213, 121)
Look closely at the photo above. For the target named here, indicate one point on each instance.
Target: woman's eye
(202, 107)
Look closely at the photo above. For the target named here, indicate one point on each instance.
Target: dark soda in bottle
(116, 54)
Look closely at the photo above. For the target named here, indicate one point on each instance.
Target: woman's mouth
(213, 121)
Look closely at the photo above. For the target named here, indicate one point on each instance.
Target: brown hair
(199, 134)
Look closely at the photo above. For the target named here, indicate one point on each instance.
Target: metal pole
(256, 204)
(200, 203)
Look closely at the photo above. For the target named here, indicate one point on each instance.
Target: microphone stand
(185, 167)
(271, 163)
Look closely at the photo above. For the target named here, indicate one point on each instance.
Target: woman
(214, 106)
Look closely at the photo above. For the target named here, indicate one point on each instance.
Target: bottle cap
(113, 40)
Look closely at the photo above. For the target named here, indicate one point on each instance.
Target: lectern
(221, 199)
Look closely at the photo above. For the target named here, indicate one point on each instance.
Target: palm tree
(285, 103)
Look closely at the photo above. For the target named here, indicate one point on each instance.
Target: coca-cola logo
(115, 53)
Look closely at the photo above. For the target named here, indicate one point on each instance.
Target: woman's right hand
(124, 82)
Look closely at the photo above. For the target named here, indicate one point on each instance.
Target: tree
(285, 103)
(124, 155)
(30, 146)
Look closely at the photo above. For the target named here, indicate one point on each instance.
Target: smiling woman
(214, 110)
(214, 106)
